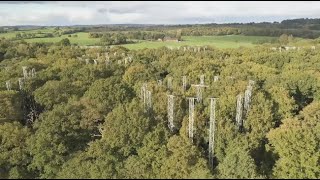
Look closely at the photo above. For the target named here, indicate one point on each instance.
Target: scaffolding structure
(239, 110)
(202, 79)
(8, 85)
(184, 83)
(212, 129)
(191, 118)
(143, 95)
(21, 83)
(33, 72)
(148, 100)
(247, 97)
(215, 78)
(25, 72)
(170, 110)
(199, 91)
(169, 83)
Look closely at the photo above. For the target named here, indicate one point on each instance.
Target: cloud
(102, 10)
(152, 12)
(25, 2)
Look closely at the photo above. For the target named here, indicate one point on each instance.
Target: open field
(231, 41)
(12, 34)
(82, 39)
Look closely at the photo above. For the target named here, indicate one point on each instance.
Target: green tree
(58, 134)
(54, 92)
(98, 161)
(128, 124)
(11, 106)
(183, 161)
(238, 164)
(296, 142)
(14, 155)
(64, 42)
(284, 39)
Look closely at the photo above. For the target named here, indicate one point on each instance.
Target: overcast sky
(152, 12)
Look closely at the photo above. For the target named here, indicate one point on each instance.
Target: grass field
(82, 39)
(13, 33)
(231, 41)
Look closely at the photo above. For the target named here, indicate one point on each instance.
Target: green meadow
(229, 41)
(232, 41)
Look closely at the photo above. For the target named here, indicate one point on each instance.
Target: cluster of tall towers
(26, 74)
(242, 108)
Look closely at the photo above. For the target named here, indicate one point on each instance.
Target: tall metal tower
(169, 83)
(33, 72)
(8, 85)
(212, 129)
(148, 100)
(202, 79)
(143, 94)
(199, 91)
(251, 83)
(191, 117)
(247, 97)
(239, 110)
(25, 72)
(184, 83)
(215, 78)
(170, 112)
(21, 83)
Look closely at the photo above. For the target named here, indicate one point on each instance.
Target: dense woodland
(78, 113)
(305, 28)
(122, 34)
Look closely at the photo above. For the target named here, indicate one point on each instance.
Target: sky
(63, 13)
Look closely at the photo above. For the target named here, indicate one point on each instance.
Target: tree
(14, 155)
(284, 39)
(11, 106)
(296, 142)
(183, 161)
(238, 164)
(107, 93)
(54, 92)
(129, 125)
(150, 157)
(96, 162)
(58, 135)
(65, 42)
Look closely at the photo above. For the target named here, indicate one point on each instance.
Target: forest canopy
(106, 112)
